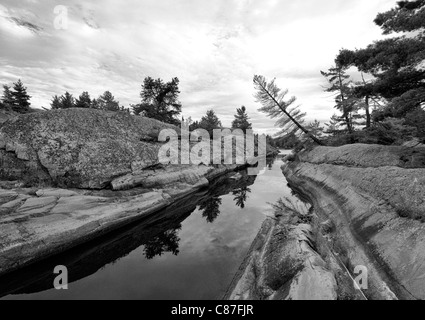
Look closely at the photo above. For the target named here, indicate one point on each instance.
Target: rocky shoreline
(368, 208)
(70, 176)
(88, 258)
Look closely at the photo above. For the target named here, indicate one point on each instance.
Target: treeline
(15, 98)
(210, 121)
(159, 100)
(388, 107)
(385, 107)
(106, 102)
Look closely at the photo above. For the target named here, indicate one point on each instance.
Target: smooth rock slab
(77, 203)
(16, 202)
(56, 193)
(313, 284)
(365, 205)
(26, 237)
(7, 196)
(37, 205)
(282, 265)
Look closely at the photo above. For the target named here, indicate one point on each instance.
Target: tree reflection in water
(167, 241)
(241, 196)
(270, 163)
(211, 208)
(157, 234)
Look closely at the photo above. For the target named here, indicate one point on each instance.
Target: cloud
(213, 47)
(25, 24)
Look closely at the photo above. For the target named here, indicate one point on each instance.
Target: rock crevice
(377, 203)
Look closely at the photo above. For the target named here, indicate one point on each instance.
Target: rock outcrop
(290, 259)
(6, 115)
(80, 148)
(283, 265)
(91, 149)
(69, 176)
(38, 223)
(35, 227)
(88, 258)
(363, 237)
(374, 199)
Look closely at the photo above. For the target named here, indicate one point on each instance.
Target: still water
(190, 251)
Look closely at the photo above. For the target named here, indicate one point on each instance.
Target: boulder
(80, 148)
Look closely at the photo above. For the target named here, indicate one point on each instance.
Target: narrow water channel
(190, 250)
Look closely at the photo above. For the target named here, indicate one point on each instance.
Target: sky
(214, 47)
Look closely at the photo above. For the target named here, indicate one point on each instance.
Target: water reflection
(158, 234)
(270, 163)
(211, 208)
(167, 241)
(241, 196)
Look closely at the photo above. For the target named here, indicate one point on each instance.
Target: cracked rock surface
(375, 198)
(35, 227)
(77, 148)
(69, 176)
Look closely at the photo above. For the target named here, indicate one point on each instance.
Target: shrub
(417, 119)
(388, 132)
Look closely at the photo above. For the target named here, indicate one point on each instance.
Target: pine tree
(345, 100)
(333, 127)
(21, 99)
(56, 103)
(160, 100)
(7, 98)
(408, 16)
(315, 128)
(396, 63)
(290, 119)
(123, 109)
(95, 104)
(67, 101)
(194, 125)
(241, 120)
(210, 122)
(107, 102)
(83, 101)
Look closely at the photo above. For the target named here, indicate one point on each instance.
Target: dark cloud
(91, 22)
(22, 23)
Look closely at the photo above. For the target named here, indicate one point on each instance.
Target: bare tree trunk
(348, 122)
(367, 107)
(367, 111)
(344, 107)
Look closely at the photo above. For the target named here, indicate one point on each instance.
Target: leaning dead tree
(290, 118)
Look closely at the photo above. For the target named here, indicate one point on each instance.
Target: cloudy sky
(214, 47)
